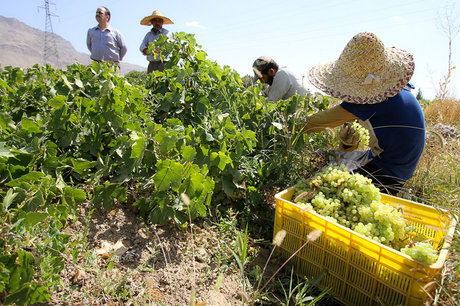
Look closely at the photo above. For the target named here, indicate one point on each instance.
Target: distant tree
(247, 80)
(419, 95)
(449, 24)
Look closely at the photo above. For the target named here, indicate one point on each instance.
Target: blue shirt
(106, 45)
(150, 37)
(399, 126)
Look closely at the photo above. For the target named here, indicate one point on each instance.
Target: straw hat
(366, 72)
(156, 14)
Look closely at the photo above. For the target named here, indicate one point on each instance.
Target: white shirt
(285, 85)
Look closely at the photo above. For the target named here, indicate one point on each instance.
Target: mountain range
(23, 46)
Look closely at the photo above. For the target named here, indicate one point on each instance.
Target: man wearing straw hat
(370, 80)
(283, 84)
(156, 20)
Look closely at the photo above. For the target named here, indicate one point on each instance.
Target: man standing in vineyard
(370, 80)
(156, 20)
(283, 84)
(104, 42)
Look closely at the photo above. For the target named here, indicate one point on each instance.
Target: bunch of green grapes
(363, 135)
(421, 251)
(352, 201)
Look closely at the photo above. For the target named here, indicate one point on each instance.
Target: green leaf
(137, 147)
(8, 199)
(80, 165)
(30, 177)
(4, 151)
(73, 195)
(6, 122)
(78, 83)
(105, 194)
(162, 212)
(223, 160)
(66, 81)
(189, 153)
(33, 218)
(169, 174)
(57, 102)
(227, 185)
(4, 276)
(201, 55)
(21, 269)
(30, 126)
(29, 294)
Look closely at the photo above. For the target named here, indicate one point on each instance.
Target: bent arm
(329, 118)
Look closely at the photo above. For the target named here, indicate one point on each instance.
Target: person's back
(285, 85)
(282, 83)
(399, 126)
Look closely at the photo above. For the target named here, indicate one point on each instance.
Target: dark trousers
(156, 66)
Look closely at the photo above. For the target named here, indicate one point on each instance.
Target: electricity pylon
(49, 50)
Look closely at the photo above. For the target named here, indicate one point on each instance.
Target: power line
(49, 48)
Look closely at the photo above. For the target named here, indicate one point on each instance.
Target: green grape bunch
(421, 251)
(363, 135)
(354, 202)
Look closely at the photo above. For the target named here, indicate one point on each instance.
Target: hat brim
(257, 74)
(393, 76)
(147, 20)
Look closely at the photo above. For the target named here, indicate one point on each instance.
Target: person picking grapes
(370, 80)
(156, 20)
(282, 83)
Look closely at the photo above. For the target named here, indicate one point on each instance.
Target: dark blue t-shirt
(399, 127)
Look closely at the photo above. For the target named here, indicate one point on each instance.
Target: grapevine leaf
(105, 194)
(201, 55)
(80, 165)
(223, 160)
(29, 294)
(78, 83)
(228, 185)
(73, 195)
(4, 276)
(8, 199)
(137, 147)
(189, 153)
(4, 151)
(66, 81)
(57, 102)
(6, 122)
(33, 218)
(21, 269)
(169, 174)
(30, 126)
(26, 178)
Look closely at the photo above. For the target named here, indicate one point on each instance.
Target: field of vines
(88, 135)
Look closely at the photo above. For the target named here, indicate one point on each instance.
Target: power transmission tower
(50, 49)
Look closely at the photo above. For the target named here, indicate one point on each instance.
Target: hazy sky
(296, 33)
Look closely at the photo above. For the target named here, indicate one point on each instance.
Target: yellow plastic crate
(361, 271)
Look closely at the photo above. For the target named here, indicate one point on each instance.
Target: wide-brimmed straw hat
(366, 72)
(156, 14)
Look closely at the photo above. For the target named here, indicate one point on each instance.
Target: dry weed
(446, 111)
